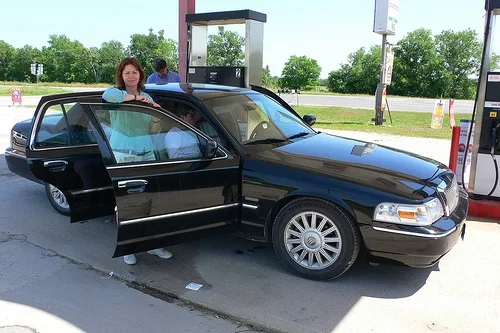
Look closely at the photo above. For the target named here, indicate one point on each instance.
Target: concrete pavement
(244, 280)
(43, 291)
(241, 279)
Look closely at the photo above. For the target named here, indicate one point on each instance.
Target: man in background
(162, 74)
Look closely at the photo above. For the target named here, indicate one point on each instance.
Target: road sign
(16, 95)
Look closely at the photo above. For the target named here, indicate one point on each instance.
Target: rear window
(63, 125)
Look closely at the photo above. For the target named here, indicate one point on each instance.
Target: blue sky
(325, 30)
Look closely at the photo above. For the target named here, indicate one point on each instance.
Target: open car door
(171, 182)
(62, 150)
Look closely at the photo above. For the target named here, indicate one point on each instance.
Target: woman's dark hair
(119, 83)
(160, 64)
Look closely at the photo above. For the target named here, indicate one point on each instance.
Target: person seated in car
(183, 144)
(203, 125)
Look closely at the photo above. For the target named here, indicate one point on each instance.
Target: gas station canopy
(224, 18)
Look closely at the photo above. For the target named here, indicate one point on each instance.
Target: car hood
(368, 164)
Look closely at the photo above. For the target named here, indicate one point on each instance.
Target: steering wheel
(263, 125)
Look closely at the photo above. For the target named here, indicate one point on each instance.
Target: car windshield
(254, 119)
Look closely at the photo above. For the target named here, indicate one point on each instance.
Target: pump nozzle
(495, 137)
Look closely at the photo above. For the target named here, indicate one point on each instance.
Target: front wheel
(57, 199)
(315, 239)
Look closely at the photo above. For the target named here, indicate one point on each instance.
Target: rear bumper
(416, 246)
(18, 164)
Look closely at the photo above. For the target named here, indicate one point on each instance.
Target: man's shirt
(170, 77)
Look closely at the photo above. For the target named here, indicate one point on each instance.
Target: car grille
(449, 192)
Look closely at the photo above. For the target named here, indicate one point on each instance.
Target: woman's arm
(115, 95)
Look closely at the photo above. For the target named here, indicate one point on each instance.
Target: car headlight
(419, 215)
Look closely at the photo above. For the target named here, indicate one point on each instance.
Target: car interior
(54, 130)
(202, 123)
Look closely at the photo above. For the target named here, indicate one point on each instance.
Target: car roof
(193, 88)
(201, 91)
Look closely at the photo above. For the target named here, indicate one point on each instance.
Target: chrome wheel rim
(59, 197)
(312, 240)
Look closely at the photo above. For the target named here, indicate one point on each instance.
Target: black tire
(57, 199)
(315, 255)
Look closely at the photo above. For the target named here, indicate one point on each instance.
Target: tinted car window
(63, 125)
(202, 122)
(134, 138)
(255, 118)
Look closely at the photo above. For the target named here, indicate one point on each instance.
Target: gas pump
(243, 76)
(484, 172)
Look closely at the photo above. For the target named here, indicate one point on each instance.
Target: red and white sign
(491, 104)
(464, 133)
(493, 78)
(17, 95)
(389, 63)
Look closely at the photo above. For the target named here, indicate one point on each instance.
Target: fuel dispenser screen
(229, 76)
(490, 129)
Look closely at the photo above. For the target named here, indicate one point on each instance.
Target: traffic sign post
(37, 70)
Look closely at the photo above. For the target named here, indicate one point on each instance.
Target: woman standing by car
(130, 139)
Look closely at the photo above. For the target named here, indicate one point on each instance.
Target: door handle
(133, 186)
(132, 183)
(56, 166)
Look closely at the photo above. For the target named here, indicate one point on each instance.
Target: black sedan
(260, 170)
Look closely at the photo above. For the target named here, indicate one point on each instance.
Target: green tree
(225, 49)
(323, 82)
(146, 48)
(6, 55)
(109, 54)
(300, 72)
(65, 60)
(92, 64)
(418, 68)
(461, 54)
(336, 80)
(361, 73)
(168, 50)
(19, 68)
(495, 62)
(269, 81)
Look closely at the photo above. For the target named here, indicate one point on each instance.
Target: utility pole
(380, 92)
(384, 23)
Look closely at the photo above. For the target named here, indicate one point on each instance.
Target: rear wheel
(315, 239)
(57, 199)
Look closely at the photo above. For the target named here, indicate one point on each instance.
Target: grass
(43, 88)
(416, 124)
(54, 84)
(32, 90)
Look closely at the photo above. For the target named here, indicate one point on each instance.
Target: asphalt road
(364, 102)
(368, 102)
(241, 280)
